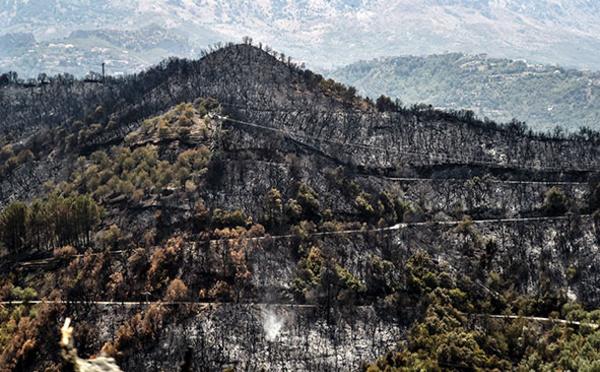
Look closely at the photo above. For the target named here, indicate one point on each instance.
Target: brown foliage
(220, 291)
(109, 350)
(65, 254)
(177, 291)
(86, 277)
(138, 263)
(29, 344)
(139, 331)
(117, 290)
(164, 262)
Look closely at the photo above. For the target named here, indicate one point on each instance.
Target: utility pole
(103, 64)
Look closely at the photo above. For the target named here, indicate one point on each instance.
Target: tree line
(57, 222)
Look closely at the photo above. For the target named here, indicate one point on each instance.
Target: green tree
(308, 199)
(86, 214)
(38, 224)
(380, 277)
(274, 206)
(13, 226)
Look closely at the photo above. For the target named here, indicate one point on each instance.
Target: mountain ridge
(544, 96)
(321, 32)
(290, 100)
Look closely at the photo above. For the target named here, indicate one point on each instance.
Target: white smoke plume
(272, 324)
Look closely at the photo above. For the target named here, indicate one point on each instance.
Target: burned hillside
(269, 218)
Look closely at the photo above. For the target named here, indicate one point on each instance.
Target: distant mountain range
(40, 35)
(544, 96)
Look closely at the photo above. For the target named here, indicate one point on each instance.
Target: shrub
(184, 132)
(555, 203)
(163, 131)
(11, 164)
(221, 218)
(65, 254)
(177, 291)
(6, 153)
(24, 295)
(112, 236)
(25, 156)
